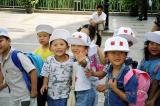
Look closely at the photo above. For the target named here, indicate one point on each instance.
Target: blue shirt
(130, 89)
(152, 67)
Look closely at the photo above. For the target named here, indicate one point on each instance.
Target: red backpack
(143, 85)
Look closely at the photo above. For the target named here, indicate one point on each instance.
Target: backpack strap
(18, 64)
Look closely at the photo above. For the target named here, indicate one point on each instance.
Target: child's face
(116, 58)
(154, 48)
(43, 38)
(4, 45)
(59, 47)
(76, 49)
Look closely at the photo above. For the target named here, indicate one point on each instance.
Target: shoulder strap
(18, 64)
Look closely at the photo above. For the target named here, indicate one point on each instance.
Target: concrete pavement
(21, 28)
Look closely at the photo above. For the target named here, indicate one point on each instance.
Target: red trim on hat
(125, 30)
(120, 43)
(112, 43)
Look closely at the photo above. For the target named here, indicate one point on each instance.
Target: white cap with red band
(116, 44)
(127, 33)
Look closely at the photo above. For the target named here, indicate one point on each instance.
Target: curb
(68, 12)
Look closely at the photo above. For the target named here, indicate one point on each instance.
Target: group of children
(61, 50)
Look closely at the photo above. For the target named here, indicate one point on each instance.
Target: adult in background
(98, 20)
(142, 9)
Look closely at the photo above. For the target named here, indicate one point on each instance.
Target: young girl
(151, 64)
(95, 55)
(43, 33)
(85, 95)
(57, 70)
(118, 94)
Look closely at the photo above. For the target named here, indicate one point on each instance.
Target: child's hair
(146, 51)
(100, 6)
(92, 33)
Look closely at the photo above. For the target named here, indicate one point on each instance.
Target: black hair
(7, 38)
(100, 6)
(63, 40)
(157, 22)
(92, 30)
(146, 51)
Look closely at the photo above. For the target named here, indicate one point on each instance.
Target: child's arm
(101, 55)
(99, 74)
(45, 85)
(2, 84)
(33, 76)
(153, 89)
(113, 84)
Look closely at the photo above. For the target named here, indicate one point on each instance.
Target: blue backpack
(35, 59)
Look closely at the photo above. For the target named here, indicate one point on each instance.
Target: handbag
(72, 97)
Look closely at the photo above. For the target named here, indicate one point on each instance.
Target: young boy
(21, 96)
(116, 93)
(43, 33)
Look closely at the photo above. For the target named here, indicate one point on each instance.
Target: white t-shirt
(59, 77)
(82, 82)
(96, 17)
(13, 76)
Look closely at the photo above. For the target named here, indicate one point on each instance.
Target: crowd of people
(64, 54)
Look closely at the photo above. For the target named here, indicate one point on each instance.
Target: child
(43, 33)
(13, 76)
(85, 95)
(151, 64)
(129, 35)
(57, 70)
(118, 94)
(95, 55)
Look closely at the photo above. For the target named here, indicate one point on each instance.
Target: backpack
(143, 85)
(36, 61)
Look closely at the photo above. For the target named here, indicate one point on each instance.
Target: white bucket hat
(60, 34)
(44, 28)
(153, 36)
(116, 44)
(79, 38)
(126, 33)
(3, 32)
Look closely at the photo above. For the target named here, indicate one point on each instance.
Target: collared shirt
(152, 67)
(59, 77)
(97, 17)
(13, 76)
(130, 89)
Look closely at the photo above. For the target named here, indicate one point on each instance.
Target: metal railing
(78, 5)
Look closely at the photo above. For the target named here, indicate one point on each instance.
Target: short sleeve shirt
(96, 17)
(13, 76)
(59, 77)
(43, 53)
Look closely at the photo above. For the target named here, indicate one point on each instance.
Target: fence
(78, 5)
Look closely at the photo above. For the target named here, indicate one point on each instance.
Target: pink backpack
(143, 85)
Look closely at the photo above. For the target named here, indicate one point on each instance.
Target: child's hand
(101, 88)
(149, 103)
(81, 56)
(43, 89)
(89, 73)
(33, 93)
(112, 83)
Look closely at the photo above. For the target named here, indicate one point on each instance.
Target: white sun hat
(79, 38)
(153, 36)
(44, 28)
(3, 32)
(60, 34)
(127, 33)
(116, 44)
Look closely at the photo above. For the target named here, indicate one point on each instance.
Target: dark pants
(142, 8)
(41, 99)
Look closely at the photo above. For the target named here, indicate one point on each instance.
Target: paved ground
(21, 28)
